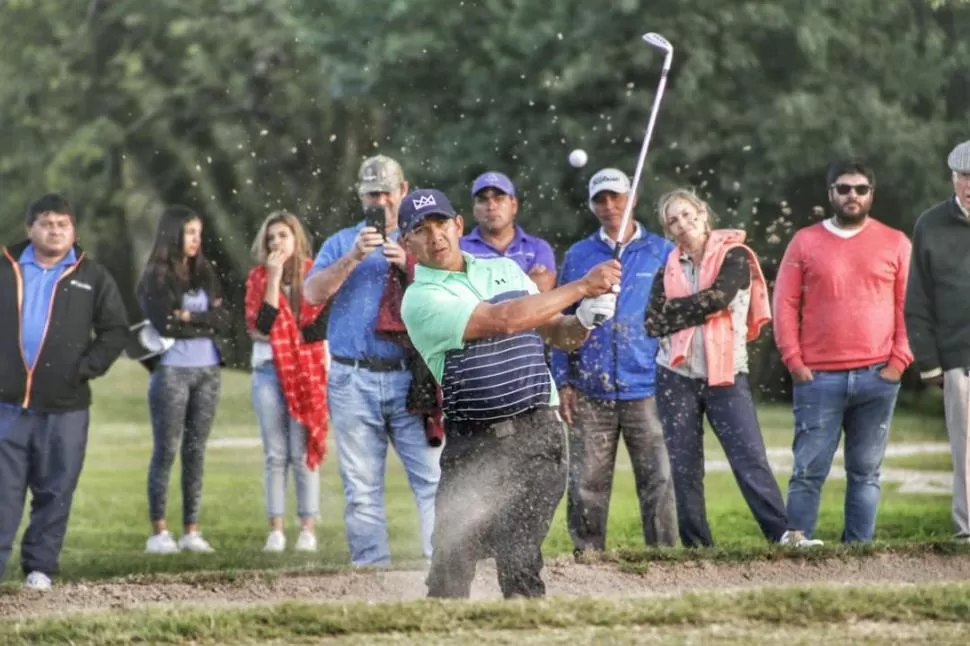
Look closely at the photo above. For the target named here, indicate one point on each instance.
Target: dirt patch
(563, 578)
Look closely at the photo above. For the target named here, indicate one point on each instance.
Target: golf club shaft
(599, 319)
(644, 148)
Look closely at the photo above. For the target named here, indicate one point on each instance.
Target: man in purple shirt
(498, 236)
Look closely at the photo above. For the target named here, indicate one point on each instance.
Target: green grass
(945, 605)
(924, 462)
(908, 426)
(109, 522)
(640, 560)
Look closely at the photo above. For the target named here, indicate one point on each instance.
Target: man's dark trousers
(499, 489)
(45, 453)
(593, 441)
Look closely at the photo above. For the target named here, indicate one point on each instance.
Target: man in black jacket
(938, 318)
(63, 323)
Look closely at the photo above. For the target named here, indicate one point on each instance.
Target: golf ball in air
(577, 158)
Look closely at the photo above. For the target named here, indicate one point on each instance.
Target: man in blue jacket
(606, 388)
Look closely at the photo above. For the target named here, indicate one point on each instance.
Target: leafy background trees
(239, 107)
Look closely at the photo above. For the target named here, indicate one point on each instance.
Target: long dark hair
(166, 263)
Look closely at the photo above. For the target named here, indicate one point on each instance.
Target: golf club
(658, 41)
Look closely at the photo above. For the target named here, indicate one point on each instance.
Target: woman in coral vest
(289, 384)
(706, 305)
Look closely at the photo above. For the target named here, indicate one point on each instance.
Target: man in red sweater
(838, 323)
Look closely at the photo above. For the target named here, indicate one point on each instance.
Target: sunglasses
(845, 189)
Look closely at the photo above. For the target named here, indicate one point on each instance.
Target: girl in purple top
(180, 295)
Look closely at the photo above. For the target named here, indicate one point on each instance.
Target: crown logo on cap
(421, 202)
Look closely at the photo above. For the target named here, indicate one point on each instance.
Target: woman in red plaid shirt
(289, 383)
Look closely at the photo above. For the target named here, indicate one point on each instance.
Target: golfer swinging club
(480, 325)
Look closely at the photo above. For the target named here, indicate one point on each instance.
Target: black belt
(500, 427)
(374, 365)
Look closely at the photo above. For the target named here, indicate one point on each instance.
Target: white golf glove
(604, 305)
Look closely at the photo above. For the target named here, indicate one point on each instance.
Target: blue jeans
(368, 411)
(284, 448)
(861, 402)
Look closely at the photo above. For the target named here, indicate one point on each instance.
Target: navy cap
(419, 204)
(491, 179)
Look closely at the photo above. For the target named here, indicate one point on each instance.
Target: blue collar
(28, 257)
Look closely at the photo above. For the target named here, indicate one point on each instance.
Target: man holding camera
(369, 375)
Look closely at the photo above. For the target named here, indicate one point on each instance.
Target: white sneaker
(161, 543)
(275, 542)
(37, 581)
(307, 542)
(796, 538)
(193, 542)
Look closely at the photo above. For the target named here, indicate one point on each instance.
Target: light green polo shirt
(438, 305)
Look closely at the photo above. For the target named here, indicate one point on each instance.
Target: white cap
(608, 179)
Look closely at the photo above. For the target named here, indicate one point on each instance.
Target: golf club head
(658, 41)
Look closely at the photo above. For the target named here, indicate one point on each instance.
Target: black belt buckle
(374, 365)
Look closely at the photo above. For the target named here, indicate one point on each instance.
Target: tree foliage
(239, 107)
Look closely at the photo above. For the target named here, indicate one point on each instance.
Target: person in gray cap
(369, 374)
(938, 318)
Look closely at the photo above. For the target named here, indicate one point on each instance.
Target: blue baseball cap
(491, 179)
(419, 204)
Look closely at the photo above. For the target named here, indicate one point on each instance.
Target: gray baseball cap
(959, 159)
(379, 174)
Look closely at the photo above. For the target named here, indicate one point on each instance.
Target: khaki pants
(956, 398)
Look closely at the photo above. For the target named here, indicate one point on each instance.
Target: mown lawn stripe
(801, 606)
